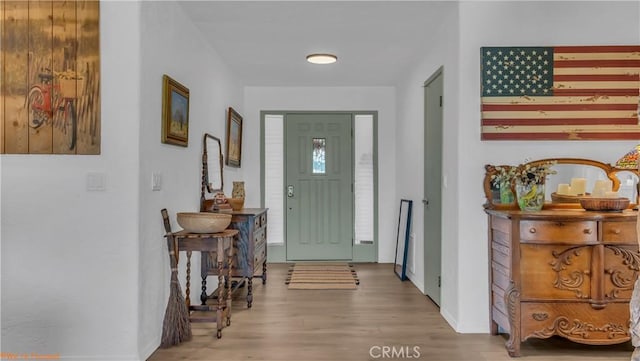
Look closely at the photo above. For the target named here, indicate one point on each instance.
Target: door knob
(425, 202)
(289, 191)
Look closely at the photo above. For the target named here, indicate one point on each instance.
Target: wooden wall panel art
(50, 77)
(560, 93)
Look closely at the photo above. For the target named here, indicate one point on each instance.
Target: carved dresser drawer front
(578, 322)
(259, 237)
(619, 232)
(621, 266)
(574, 232)
(555, 272)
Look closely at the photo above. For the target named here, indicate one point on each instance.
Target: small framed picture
(175, 112)
(234, 138)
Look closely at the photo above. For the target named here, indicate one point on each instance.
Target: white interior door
(433, 185)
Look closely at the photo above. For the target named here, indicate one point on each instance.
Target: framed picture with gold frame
(175, 112)
(234, 138)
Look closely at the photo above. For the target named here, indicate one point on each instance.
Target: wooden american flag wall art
(560, 93)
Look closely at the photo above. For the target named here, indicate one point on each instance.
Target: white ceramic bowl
(203, 222)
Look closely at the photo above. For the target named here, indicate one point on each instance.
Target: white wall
(170, 44)
(443, 44)
(69, 256)
(381, 99)
(512, 24)
(85, 274)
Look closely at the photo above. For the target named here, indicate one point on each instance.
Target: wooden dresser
(250, 256)
(562, 272)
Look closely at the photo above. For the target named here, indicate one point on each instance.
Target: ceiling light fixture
(322, 58)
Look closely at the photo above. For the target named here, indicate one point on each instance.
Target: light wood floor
(339, 325)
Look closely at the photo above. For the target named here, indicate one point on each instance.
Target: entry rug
(322, 276)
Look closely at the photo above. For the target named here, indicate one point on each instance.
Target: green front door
(319, 196)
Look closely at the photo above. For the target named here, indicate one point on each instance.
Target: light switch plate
(96, 181)
(156, 181)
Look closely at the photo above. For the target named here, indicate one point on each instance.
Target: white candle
(601, 187)
(611, 194)
(578, 186)
(563, 188)
(598, 191)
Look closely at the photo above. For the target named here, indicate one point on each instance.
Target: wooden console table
(562, 272)
(218, 245)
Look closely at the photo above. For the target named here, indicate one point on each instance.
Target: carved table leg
(187, 291)
(249, 291)
(634, 329)
(203, 274)
(221, 298)
(512, 298)
(228, 282)
(264, 273)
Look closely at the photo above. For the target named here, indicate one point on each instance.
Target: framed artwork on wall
(234, 138)
(175, 112)
(50, 77)
(560, 93)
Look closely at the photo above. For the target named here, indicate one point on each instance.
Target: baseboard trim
(149, 349)
(452, 321)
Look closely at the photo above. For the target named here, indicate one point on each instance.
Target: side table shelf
(219, 247)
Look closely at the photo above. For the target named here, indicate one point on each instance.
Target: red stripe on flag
(596, 63)
(562, 136)
(597, 49)
(622, 77)
(557, 107)
(558, 121)
(589, 92)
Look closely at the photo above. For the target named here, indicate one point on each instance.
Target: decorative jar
(506, 195)
(238, 190)
(530, 196)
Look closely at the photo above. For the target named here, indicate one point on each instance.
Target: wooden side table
(220, 246)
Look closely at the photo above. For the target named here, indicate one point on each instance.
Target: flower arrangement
(527, 174)
(503, 176)
(529, 182)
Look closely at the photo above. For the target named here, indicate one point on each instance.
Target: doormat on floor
(322, 276)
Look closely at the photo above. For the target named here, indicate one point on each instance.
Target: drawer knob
(616, 231)
(532, 230)
(541, 316)
(587, 231)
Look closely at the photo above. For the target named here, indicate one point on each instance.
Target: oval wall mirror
(624, 181)
(212, 164)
